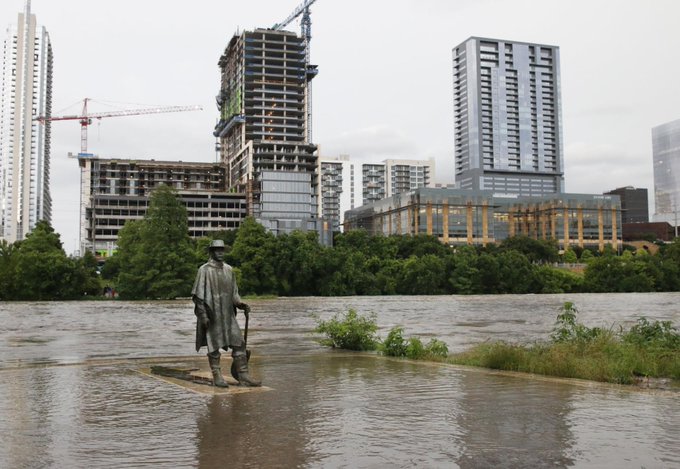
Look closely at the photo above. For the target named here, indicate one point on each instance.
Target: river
(72, 395)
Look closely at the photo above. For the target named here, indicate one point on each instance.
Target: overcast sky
(384, 89)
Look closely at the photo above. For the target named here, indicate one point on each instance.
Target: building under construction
(114, 191)
(264, 128)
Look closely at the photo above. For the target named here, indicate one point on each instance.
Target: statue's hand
(246, 309)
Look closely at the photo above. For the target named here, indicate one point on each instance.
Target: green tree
(253, 253)
(296, 262)
(536, 250)
(7, 268)
(86, 281)
(464, 276)
(424, 275)
(42, 271)
(569, 256)
(156, 256)
(515, 272)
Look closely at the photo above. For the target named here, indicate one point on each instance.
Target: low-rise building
(459, 217)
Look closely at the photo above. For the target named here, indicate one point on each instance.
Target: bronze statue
(215, 296)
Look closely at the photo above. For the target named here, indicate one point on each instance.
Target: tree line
(157, 259)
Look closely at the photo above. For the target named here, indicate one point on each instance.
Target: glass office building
(666, 156)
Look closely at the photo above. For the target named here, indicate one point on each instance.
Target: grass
(648, 349)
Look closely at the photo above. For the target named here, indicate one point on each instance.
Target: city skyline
(384, 89)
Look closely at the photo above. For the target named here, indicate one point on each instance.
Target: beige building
(459, 217)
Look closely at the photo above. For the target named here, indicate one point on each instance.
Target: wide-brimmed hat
(216, 244)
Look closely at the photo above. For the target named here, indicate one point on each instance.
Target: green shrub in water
(655, 334)
(350, 331)
(395, 345)
(568, 330)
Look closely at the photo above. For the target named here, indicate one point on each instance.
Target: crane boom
(300, 8)
(85, 118)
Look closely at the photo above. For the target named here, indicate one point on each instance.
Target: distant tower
(507, 117)
(24, 143)
(337, 189)
(666, 156)
(634, 206)
(263, 128)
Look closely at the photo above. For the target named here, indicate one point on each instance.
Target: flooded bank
(71, 394)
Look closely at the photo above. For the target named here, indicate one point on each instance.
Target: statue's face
(217, 254)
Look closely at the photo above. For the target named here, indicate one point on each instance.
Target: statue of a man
(216, 298)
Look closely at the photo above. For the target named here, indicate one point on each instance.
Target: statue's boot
(244, 379)
(218, 379)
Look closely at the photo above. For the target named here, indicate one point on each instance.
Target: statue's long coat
(215, 287)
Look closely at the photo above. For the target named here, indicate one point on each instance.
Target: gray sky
(384, 89)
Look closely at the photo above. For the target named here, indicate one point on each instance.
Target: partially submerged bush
(567, 329)
(395, 345)
(350, 331)
(655, 334)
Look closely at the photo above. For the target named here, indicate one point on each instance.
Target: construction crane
(306, 33)
(85, 118)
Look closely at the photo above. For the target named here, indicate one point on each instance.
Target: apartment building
(337, 189)
(25, 93)
(394, 176)
(507, 117)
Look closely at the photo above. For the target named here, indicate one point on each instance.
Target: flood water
(71, 394)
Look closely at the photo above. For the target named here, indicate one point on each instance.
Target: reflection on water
(70, 395)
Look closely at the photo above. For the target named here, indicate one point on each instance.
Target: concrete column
(600, 228)
(485, 223)
(615, 240)
(469, 223)
(553, 222)
(409, 219)
(445, 223)
(416, 207)
(428, 212)
(544, 222)
(399, 214)
(511, 223)
(579, 212)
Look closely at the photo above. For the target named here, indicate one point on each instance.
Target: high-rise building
(666, 156)
(507, 117)
(337, 189)
(263, 128)
(393, 177)
(26, 93)
(634, 204)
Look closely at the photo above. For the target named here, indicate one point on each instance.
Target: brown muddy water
(72, 395)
